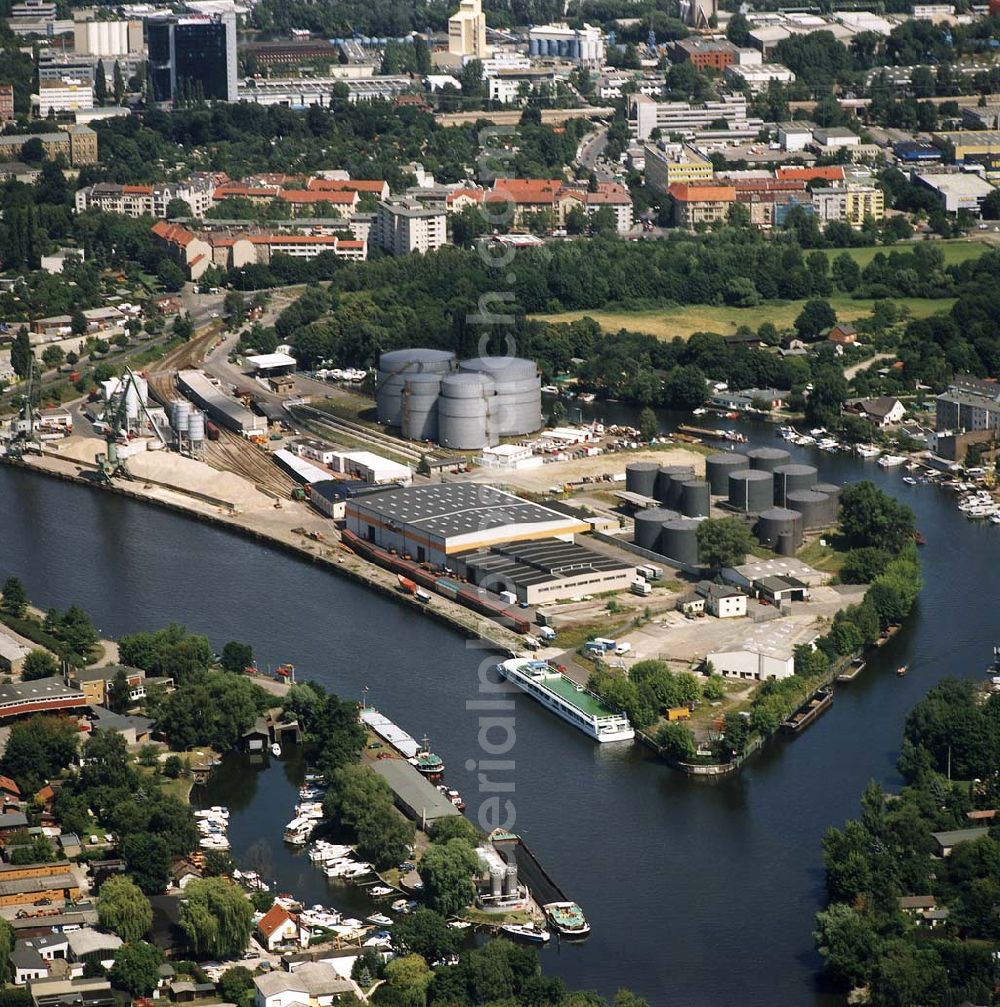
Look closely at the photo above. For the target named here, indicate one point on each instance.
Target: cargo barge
(410, 573)
(820, 700)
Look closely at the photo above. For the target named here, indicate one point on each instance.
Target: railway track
(233, 453)
(358, 432)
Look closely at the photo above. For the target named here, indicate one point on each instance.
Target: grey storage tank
(640, 477)
(679, 541)
(776, 522)
(418, 406)
(751, 492)
(393, 369)
(814, 507)
(718, 467)
(466, 412)
(788, 478)
(518, 391)
(768, 459)
(696, 500)
(785, 545)
(832, 490)
(648, 525)
(663, 477)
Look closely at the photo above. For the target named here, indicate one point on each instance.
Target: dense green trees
(870, 517)
(137, 968)
(39, 664)
(172, 652)
(723, 542)
(236, 656)
(332, 734)
(123, 909)
(216, 917)
(39, 748)
(15, 599)
(446, 870)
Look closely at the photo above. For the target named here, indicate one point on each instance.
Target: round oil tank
(814, 507)
(785, 546)
(777, 521)
(832, 490)
(663, 475)
(418, 406)
(393, 369)
(196, 427)
(518, 388)
(750, 491)
(679, 541)
(718, 468)
(648, 525)
(768, 459)
(788, 478)
(640, 477)
(696, 499)
(675, 485)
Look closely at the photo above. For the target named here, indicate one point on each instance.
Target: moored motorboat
(530, 932)
(567, 919)
(902, 670)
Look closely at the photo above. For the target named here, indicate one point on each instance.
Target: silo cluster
(718, 468)
(393, 369)
(777, 525)
(751, 491)
(414, 391)
(641, 478)
(518, 391)
(789, 478)
(467, 412)
(188, 423)
(818, 510)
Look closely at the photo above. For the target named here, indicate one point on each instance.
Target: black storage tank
(696, 500)
(718, 467)
(788, 478)
(768, 459)
(640, 477)
(751, 492)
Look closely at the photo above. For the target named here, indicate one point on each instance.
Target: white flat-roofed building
(509, 458)
(371, 468)
(301, 93)
(835, 138)
(264, 362)
(794, 135)
(64, 95)
(957, 190)
(757, 78)
(690, 120)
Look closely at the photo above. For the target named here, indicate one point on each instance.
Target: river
(698, 894)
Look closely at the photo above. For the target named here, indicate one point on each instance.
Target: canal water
(698, 894)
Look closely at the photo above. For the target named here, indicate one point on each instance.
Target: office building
(689, 121)
(404, 226)
(65, 95)
(301, 92)
(193, 57)
(676, 162)
(467, 31)
(704, 53)
(6, 102)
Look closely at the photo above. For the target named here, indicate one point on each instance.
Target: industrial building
(415, 796)
(219, 406)
(578, 45)
(546, 571)
(12, 654)
(956, 190)
(433, 523)
(690, 120)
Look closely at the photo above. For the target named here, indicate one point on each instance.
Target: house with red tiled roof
(10, 792)
(44, 797)
(279, 927)
(371, 186)
(832, 173)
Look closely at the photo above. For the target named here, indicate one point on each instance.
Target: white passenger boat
(891, 461)
(564, 697)
(867, 451)
(298, 831)
(531, 932)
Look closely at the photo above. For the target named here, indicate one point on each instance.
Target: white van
(622, 648)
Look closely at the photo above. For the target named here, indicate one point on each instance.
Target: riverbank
(294, 528)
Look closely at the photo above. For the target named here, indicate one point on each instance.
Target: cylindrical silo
(814, 507)
(777, 521)
(418, 406)
(832, 490)
(196, 428)
(518, 390)
(131, 402)
(751, 492)
(496, 880)
(768, 459)
(180, 412)
(679, 541)
(640, 477)
(789, 478)
(696, 500)
(785, 545)
(393, 368)
(718, 467)
(465, 412)
(510, 882)
(648, 525)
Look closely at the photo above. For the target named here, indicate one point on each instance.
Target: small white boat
(403, 905)
(380, 920)
(531, 932)
(276, 750)
(357, 871)
(700, 411)
(909, 480)
(891, 461)
(459, 924)
(338, 868)
(380, 891)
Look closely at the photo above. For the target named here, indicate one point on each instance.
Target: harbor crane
(122, 409)
(23, 440)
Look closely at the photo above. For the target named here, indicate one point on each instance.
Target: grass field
(667, 323)
(956, 251)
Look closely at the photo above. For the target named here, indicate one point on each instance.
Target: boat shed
(947, 841)
(433, 523)
(415, 797)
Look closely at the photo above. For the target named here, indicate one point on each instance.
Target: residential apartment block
(968, 404)
(405, 226)
(78, 145)
(196, 251)
(850, 205)
(701, 204)
(147, 200)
